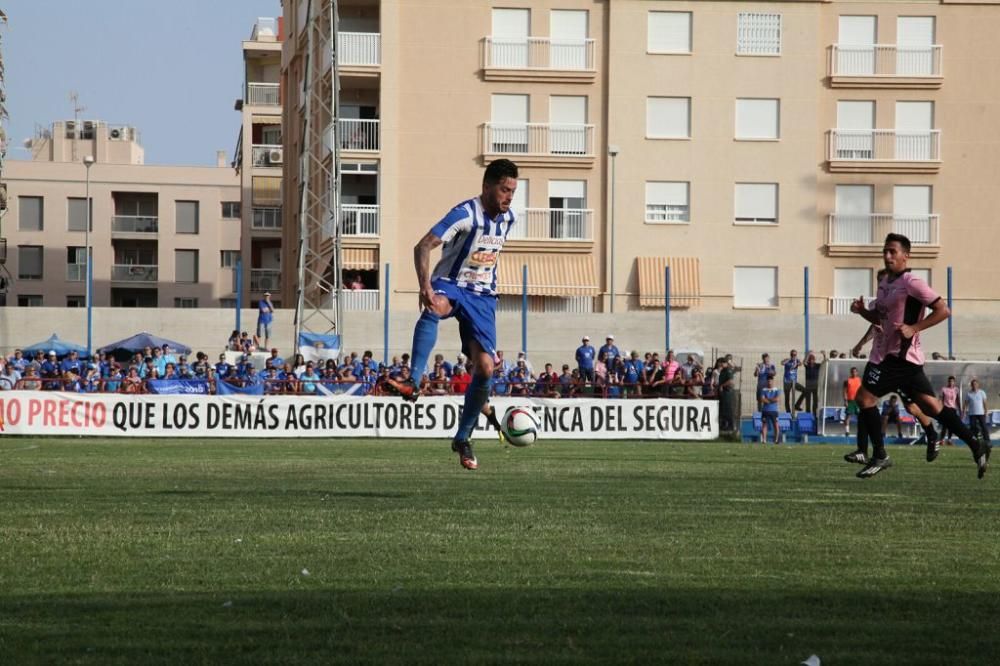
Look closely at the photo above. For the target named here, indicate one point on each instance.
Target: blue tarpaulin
(140, 341)
(60, 347)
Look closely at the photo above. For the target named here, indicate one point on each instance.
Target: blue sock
(476, 396)
(425, 335)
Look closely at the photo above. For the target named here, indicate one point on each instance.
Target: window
(185, 302)
(76, 264)
(915, 46)
(855, 130)
(849, 283)
(755, 286)
(758, 34)
(756, 203)
(186, 265)
(25, 301)
(757, 119)
(76, 214)
(668, 117)
(509, 41)
(667, 202)
(30, 210)
(76, 301)
(187, 217)
(228, 303)
(922, 273)
(914, 137)
(229, 258)
(567, 125)
(29, 262)
(668, 32)
(509, 120)
(911, 213)
(231, 209)
(568, 31)
(567, 217)
(853, 223)
(856, 41)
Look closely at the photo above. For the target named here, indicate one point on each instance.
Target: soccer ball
(520, 427)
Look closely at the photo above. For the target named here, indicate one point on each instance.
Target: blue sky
(171, 68)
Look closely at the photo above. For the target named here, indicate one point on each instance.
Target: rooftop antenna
(74, 97)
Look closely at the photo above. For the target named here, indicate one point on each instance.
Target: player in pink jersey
(896, 361)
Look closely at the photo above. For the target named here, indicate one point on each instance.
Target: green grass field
(297, 551)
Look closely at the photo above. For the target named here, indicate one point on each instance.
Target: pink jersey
(949, 396)
(900, 300)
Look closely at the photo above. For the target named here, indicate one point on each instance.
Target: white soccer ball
(520, 427)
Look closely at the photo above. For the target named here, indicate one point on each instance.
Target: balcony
(553, 224)
(134, 273)
(885, 66)
(360, 300)
(265, 279)
(538, 59)
(263, 94)
(884, 151)
(135, 224)
(536, 144)
(863, 235)
(266, 218)
(267, 155)
(360, 49)
(359, 221)
(265, 30)
(842, 305)
(359, 135)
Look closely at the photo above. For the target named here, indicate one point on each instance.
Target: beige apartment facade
(161, 236)
(738, 143)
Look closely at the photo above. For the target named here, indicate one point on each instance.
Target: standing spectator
(727, 396)
(810, 394)
(761, 372)
(791, 377)
(851, 386)
(677, 387)
(18, 361)
(547, 384)
(670, 366)
(521, 356)
(770, 395)
(50, 370)
(975, 409)
(309, 379)
(500, 381)
(949, 398)
(566, 382)
(72, 364)
(608, 351)
(632, 375)
(689, 366)
(657, 381)
(502, 363)
(585, 356)
(696, 385)
(890, 414)
(276, 359)
(356, 283)
(440, 382)
(265, 317)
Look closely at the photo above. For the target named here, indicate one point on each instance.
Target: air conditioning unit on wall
(275, 156)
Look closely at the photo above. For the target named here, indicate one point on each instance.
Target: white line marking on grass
(22, 448)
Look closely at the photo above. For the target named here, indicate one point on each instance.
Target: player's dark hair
(903, 241)
(497, 170)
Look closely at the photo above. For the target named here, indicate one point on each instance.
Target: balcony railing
(539, 139)
(76, 272)
(885, 60)
(265, 29)
(553, 224)
(359, 135)
(884, 145)
(360, 300)
(872, 229)
(264, 94)
(538, 53)
(362, 49)
(135, 224)
(842, 305)
(266, 217)
(267, 155)
(359, 220)
(265, 279)
(135, 272)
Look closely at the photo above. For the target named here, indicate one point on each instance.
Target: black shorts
(894, 375)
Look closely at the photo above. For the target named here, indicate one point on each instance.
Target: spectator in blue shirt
(72, 363)
(763, 370)
(791, 378)
(309, 378)
(18, 361)
(265, 318)
(222, 367)
(585, 357)
(608, 352)
(500, 382)
(770, 395)
(49, 369)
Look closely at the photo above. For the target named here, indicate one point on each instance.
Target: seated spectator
(114, 378)
(567, 382)
(132, 382)
(309, 379)
(670, 365)
(253, 378)
(298, 365)
(18, 360)
(222, 367)
(234, 342)
(247, 344)
(9, 377)
(275, 358)
(439, 360)
(29, 382)
(91, 381)
(547, 384)
(200, 367)
(501, 385)
(50, 370)
(677, 386)
(657, 380)
(632, 375)
(367, 380)
(169, 371)
(440, 383)
(695, 386)
(518, 380)
(689, 366)
(460, 380)
(272, 385)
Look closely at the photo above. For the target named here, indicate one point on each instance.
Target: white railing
(359, 220)
(265, 29)
(553, 224)
(360, 49)
(885, 60)
(872, 229)
(266, 217)
(262, 154)
(539, 53)
(135, 224)
(264, 94)
(884, 145)
(842, 305)
(359, 135)
(538, 139)
(76, 272)
(508, 303)
(265, 279)
(360, 300)
(135, 272)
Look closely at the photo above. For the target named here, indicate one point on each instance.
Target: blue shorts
(770, 418)
(476, 315)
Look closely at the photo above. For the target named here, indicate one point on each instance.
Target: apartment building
(735, 142)
(161, 236)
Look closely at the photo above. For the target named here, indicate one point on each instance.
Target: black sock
(873, 423)
(949, 419)
(492, 417)
(862, 436)
(930, 433)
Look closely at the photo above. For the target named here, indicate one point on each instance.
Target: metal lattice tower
(318, 292)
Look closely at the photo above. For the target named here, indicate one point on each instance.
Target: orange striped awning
(359, 258)
(685, 283)
(548, 274)
(267, 190)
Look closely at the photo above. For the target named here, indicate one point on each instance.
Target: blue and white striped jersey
(472, 244)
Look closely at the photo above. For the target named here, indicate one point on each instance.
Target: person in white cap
(265, 316)
(585, 357)
(608, 352)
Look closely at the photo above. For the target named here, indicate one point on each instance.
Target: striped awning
(359, 258)
(685, 283)
(548, 274)
(267, 190)
(258, 119)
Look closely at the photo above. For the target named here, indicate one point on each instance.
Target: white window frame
(745, 38)
(651, 103)
(747, 105)
(748, 190)
(744, 280)
(666, 17)
(673, 212)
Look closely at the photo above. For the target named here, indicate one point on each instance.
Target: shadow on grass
(542, 626)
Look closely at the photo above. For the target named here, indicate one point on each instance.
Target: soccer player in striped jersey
(464, 285)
